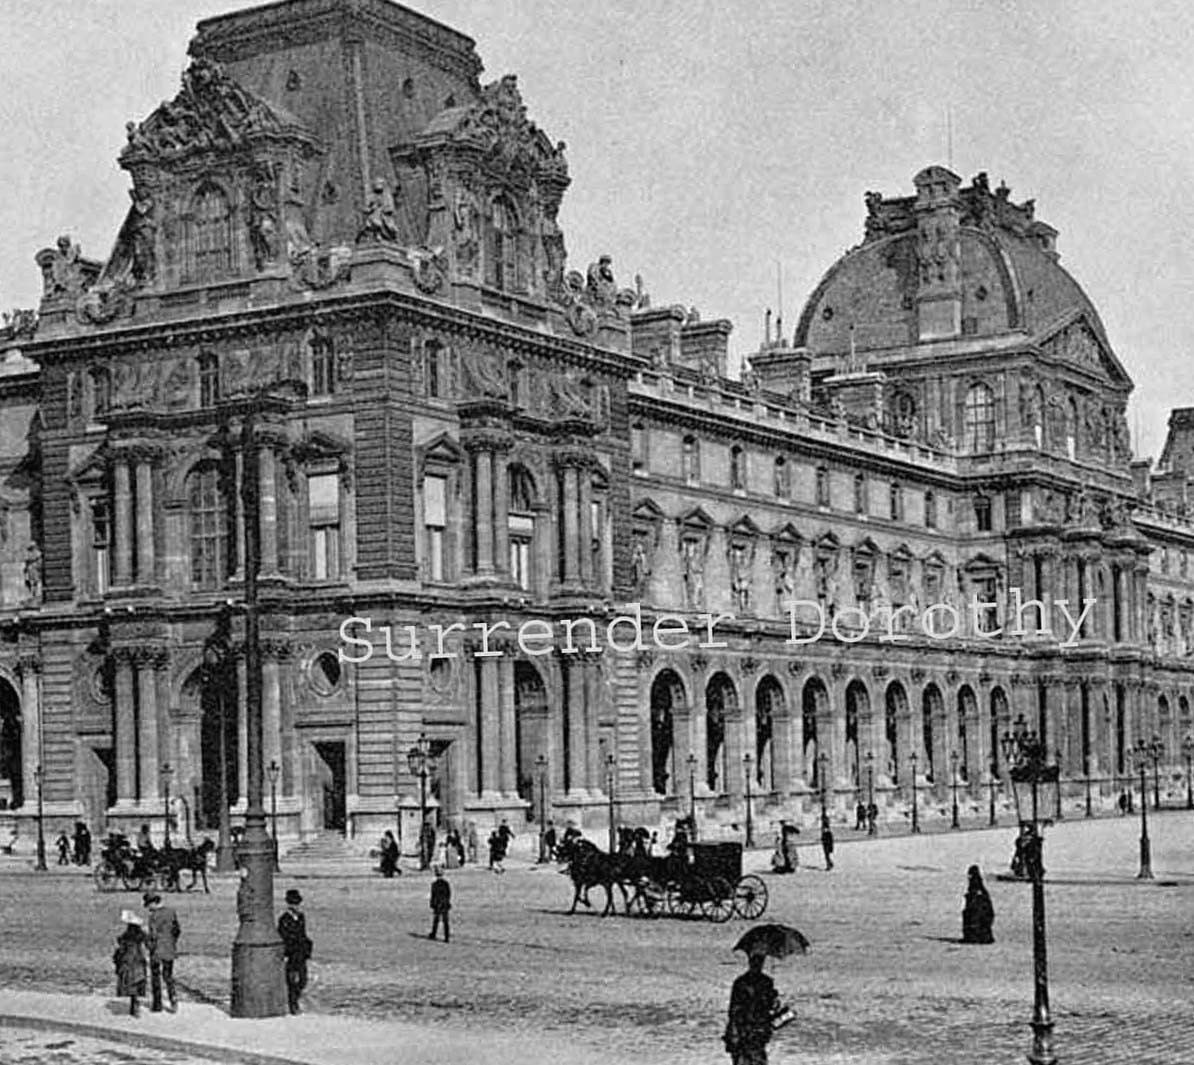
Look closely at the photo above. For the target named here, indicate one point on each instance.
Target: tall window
(323, 365)
(822, 486)
(638, 446)
(209, 379)
(515, 379)
(1071, 429)
(101, 544)
(435, 500)
(209, 528)
(930, 510)
(101, 391)
(860, 493)
(782, 479)
(691, 459)
(979, 417)
(896, 501)
(982, 513)
(987, 609)
(434, 369)
(737, 469)
(323, 518)
(503, 258)
(522, 525)
(211, 237)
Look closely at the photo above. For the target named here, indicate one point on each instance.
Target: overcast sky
(709, 142)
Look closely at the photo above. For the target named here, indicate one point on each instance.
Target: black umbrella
(773, 941)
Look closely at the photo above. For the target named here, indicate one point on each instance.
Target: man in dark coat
(827, 843)
(162, 931)
(441, 903)
(753, 1005)
(296, 947)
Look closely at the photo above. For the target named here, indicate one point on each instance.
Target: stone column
(490, 714)
(126, 724)
(145, 522)
(29, 665)
(123, 569)
(483, 514)
(149, 756)
(585, 507)
(595, 771)
(239, 572)
(578, 769)
(507, 729)
(242, 731)
(571, 525)
(501, 514)
(268, 505)
(1028, 591)
(783, 729)
(980, 744)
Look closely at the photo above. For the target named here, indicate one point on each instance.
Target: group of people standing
(76, 848)
(148, 944)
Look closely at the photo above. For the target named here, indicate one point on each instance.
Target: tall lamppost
(992, 784)
(915, 818)
(1188, 751)
(215, 682)
(541, 770)
(1086, 770)
(748, 763)
(167, 771)
(870, 792)
(257, 981)
(418, 759)
(1141, 754)
(611, 764)
(274, 770)
(692, 764)
(1025, 756)
(39, 779)
(1157, 749)
(953, 762)
(823, 762)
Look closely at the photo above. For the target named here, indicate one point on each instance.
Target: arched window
(980, 419)
(211, 253)
(522, 525)
(503, 246)
(209, 379)
(209, 527)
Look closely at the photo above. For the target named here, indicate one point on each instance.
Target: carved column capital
(29, 663)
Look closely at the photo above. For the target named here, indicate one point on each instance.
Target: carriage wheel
(718, 905)
(678, 904)
(750, 898)
(104, 876)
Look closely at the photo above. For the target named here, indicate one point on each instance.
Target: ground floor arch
(12, 781)
(668, 702)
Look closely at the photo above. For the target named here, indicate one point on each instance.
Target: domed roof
(1002, 264)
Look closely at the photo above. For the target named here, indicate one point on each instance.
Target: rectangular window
(323, 366)
(987, 613)
(897, 503)
(101, 544)
(521, 533)
(982, 513)
(930, 511)
(859, 493)
(435, 497)
(822, 486)
(323, 515)
(209, 380)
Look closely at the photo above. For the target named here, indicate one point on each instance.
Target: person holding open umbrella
(755, 1009)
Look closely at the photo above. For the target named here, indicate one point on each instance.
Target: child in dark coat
(130, 959)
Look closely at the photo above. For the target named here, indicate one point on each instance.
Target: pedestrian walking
(978, 913)
(296, 948)
(162, 932)
(389, 856)
(129, 959)
(827, 843)
(63, 845)
(82, 843)
(860, 817)
(497, 852)
(754, 1005)
(441, 903)
(549, 843)
(872, 817)
(507, 836)
(472, 842)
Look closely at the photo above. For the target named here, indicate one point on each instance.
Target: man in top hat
(296, 947)
(162, 932)
(441, 903)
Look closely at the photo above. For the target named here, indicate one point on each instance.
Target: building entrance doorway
(331, 774)
(12, 784)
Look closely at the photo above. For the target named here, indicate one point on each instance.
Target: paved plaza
(886, 981)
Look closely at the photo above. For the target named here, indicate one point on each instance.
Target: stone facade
(337, 226)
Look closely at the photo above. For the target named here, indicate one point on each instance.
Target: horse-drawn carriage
(121, 866)
(706, 881)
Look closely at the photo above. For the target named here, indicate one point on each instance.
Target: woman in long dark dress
(978, 915)
(130, 959)
(389, 855)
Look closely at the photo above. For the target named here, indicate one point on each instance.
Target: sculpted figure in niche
(740, 577)
(62, 271)
(694, 572)
(640, 562)
(569, 398)
(380, 221)
(464, 219)
(33, 572)
(783, 563)
(482, 375)
(263, 217)
(143, 235)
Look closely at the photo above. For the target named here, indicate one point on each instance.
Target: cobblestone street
(26, 1046)
(887, 979)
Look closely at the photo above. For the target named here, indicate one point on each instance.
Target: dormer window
(503, 246)
(210, 251)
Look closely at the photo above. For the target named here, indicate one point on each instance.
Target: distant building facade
(338, 231)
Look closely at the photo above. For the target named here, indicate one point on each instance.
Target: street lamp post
(274, 770)
(747, 761)
(1086, 770)
(215, 681)
(418, 759)
(1141, 754)
(1188, 751)
(692, 764)
(611, 764)
(257, 979)
(39, 779)
(870, 792)
(823, 762)
(1025, 756)
(1158, 750)
(167, 771)
(915, 818)
(541, 768)
(992, 783)
(953, 761)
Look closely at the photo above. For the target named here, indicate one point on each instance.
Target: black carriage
(707, 881)
(121, 866)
